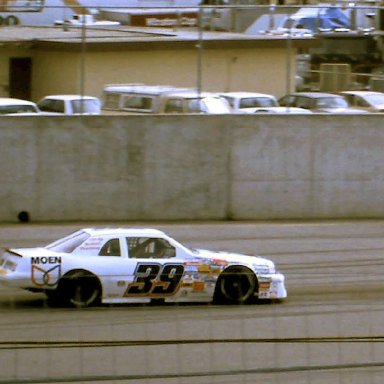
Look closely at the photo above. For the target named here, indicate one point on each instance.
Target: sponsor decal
(204, 268)
(46, 260)
(92, 243)
(220, 262)
(155, 280)
(191, 268)
(198, 286)
(45, 277)
(195, 263)
(212, 269)
(264, 286)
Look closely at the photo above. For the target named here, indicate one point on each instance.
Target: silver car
(18, 107)
(318, 102)
(365, 100)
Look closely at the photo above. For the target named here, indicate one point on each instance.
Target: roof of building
(63, 37)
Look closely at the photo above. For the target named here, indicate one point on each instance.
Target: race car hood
(233, 257)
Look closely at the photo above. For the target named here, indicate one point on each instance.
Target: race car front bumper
(272, 286)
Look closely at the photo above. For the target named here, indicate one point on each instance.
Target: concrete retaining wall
(191, 167)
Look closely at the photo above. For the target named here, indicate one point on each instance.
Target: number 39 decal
(155, 280)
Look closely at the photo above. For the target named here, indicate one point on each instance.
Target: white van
(141, 98)
(133, 97)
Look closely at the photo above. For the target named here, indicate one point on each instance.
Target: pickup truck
(69, 105)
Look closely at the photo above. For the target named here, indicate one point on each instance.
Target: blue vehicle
(313, 19)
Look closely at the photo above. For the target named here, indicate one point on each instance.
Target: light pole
(199, 47)
(289, 60)
(82, 62)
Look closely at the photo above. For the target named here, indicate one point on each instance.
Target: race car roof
(123, 231)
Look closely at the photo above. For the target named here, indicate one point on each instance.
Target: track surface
(329, 330)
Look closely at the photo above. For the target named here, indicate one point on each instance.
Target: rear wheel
(11, 20)
(235, 286)
(78, 289)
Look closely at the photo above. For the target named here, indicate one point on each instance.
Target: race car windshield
(69, 243)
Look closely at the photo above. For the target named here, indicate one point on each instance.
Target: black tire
(78, 289)
(11, 20)
(235, 286)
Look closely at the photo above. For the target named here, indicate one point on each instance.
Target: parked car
(13, 106)
(192, 101)
(366, 100)
(70, 105)
(318, 102)
(137, 265)
(253, 102)
(282, 110)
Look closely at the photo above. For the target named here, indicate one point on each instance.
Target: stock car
(94, 266)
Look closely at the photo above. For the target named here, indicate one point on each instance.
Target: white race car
(137, 265)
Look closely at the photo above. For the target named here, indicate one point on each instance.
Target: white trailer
(48, 12)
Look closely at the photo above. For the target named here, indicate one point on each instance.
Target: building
(37, 61)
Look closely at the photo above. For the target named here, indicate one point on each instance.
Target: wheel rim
(84, 292)
(237, 287)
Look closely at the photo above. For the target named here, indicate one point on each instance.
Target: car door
(351, 99)
(107, 258)
(304, 102)
(158, 271)
(288, 101)
(361, 103)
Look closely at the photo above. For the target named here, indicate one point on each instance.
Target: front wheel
(78, 289)
(235, 286)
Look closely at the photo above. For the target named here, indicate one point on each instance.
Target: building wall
(253, 167)
(261, 70)
(56, 73)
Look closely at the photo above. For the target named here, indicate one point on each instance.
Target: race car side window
(153, 248)
(111, 248)
(69, 243)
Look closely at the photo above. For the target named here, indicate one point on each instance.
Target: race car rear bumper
(14, 279)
